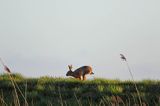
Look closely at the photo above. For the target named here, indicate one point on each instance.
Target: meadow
(50, 91)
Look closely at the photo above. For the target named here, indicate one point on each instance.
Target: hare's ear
(70, 67)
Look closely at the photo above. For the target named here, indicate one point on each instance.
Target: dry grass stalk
(117, 100)
(2, 99)
(24, 97)
(13, 82)
(3, 103)
(16, 94)
(129, 69)
(9, 74)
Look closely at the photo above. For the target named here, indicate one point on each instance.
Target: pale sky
(41, 37)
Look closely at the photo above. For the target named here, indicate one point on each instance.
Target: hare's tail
(91, 73)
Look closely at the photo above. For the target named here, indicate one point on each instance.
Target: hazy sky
(41, 37)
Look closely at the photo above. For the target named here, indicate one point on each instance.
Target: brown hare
(79, 73)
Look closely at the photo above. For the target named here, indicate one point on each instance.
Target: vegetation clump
(68, 91)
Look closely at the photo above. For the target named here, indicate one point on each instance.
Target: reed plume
(129, 69)
(14, 83)
(9, 74)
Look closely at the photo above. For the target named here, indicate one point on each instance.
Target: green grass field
(49, 91)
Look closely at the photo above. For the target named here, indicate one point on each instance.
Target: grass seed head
(7, 69)
(123, 57)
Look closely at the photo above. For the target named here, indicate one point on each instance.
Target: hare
(79, 73)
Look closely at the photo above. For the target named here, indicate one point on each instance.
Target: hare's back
(84, 70)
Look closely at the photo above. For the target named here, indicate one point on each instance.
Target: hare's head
(70, 72)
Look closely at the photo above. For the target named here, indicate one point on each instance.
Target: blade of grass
(26, 103)
(77, 100)
(60, 96)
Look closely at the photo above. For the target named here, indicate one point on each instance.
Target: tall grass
(15, 85)
(129, 69)
(12, 81)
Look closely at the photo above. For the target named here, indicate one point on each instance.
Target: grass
(71, 92)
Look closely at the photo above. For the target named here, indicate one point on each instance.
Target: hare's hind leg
(84, 77)
(81, 77)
